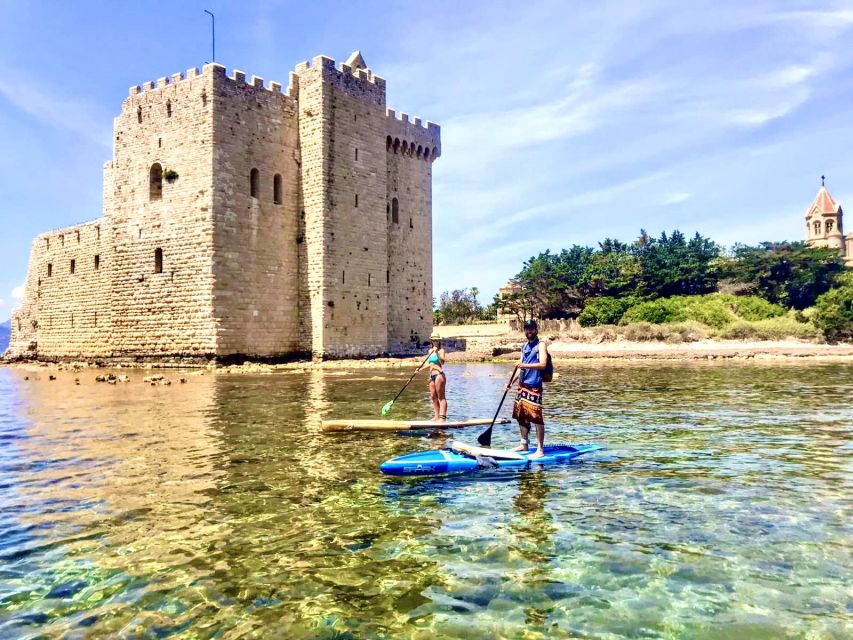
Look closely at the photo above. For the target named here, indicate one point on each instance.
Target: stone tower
(824, 225)
(240, 220)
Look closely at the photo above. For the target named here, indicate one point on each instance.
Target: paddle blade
(485, 438)
(387, 408)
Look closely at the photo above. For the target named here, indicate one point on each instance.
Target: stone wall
(410, 151)
(170, 312)
(255, 263)
(65, 309)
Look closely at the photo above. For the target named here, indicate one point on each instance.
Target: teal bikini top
(434, 359)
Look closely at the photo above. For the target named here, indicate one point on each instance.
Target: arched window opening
(396, 145)
(276, 188)
(388, 143)
(158, 260)
(254, 183)
(395, 211)
(420, 151)
(139, 115)
(817, 227)
(829, 226)
(155, 182)
(405, 149)
(168, 108)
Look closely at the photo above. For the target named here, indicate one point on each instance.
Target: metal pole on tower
(212, 33)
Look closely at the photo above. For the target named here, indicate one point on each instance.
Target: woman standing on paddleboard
(437, 379)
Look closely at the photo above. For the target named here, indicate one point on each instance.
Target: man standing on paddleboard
(533, 369)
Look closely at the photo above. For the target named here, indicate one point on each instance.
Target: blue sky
(562, 122)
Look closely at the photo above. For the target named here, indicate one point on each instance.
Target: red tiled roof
(824, 202)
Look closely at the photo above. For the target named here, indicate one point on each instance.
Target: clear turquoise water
(720, 508)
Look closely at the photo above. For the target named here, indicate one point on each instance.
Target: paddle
(485, 438)
(386, 409)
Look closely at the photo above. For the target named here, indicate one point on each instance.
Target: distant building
(244, 218)
(824, 226)
(505, 292)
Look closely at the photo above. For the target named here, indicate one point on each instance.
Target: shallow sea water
(720, 507)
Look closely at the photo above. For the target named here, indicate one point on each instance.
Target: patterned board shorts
(527, 409)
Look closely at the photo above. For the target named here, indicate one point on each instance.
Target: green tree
(788, 273)
(459, 306)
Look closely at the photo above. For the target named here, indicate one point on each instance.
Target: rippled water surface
(719, 508)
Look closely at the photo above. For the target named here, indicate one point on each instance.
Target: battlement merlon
(356, 81)
(401, 127)
(212, 69)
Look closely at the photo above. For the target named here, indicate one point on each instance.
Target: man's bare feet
(524, 446)
(539, 454)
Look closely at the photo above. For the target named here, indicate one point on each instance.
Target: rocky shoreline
(496, 349)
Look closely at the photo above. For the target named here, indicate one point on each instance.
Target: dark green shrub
(605, 310)
(833, 313)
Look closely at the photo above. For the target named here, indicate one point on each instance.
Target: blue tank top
(530, 355)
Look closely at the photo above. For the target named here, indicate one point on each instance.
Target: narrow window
(96, 318)
(343, 277)
(62, 240)
(817, 227)
(98, 231)
(204, 98)
(97, 262)
(395, 211)
(159, 143)
(388, 276)
(78, 236)
(158, 260)
(368, 279)
(72, 319)
(276, 188)
(49, 270)
(411, 224)
(254, 182)
(139, 115)
(388, 143)
(155, 182)
(356, 153)
(47, 244)
(356, 201)
(828, 226)
(168, 108)
(73, 265)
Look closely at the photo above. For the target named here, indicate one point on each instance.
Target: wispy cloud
(676, 197)
(52, 107)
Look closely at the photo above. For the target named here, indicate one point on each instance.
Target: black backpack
(548, 371)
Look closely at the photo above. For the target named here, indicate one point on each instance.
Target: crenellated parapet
(412, 137)
(152, 90)
(356, 80)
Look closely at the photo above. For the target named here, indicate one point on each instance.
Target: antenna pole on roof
(212, 34)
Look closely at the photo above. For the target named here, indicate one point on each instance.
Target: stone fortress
(241, 220)
(824, 226)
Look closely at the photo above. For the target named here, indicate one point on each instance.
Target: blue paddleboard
(437, 461)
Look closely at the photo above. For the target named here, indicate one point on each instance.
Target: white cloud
(2, 302)
(53, 108)
(676, 197)
(18, 292)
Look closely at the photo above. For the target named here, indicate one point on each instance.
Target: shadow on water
(216, 508)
